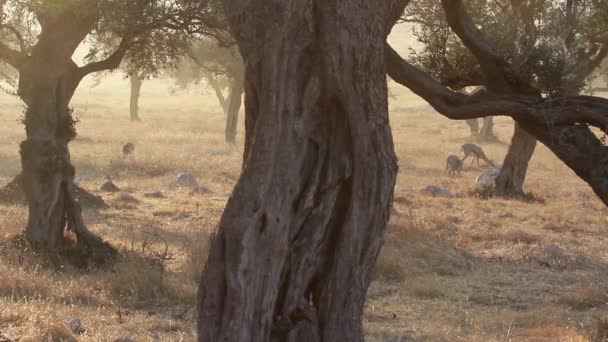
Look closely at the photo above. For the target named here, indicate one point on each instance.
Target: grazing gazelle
(453, 165)
(476, 153)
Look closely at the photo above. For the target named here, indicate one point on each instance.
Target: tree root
(90, 248)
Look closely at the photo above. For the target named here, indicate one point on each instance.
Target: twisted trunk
(136, 82)
(510, 181)
(47, 82)
(293, 254)
(232, 110)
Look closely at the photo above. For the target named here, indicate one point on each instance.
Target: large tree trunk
(293, 254)
(47, 82)
(136, 82)
(233, 108)
(512, 175)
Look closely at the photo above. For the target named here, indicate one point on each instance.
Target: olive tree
(44, 36)
(292, 255)
(551, 46)
(217, 64)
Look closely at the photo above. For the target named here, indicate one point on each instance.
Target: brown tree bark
(47, 81)
(293, 254)
(232, 110)
(135, 82)
(512, 175)
(218, 93)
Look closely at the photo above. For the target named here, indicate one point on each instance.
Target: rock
(124, 339)
(399, 188)
(109, 186)
(588, 205)
(154, 194)
(435, 190)
(486, 181)
(127, 197)
(554, 251)
(182, 216)
(201, 189)
(185, 180)
(75, 325)
(220, 151)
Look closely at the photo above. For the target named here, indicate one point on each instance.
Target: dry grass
(452, 269)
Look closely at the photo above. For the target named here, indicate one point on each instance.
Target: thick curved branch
(110, 63)
(12, 57)
(563, 110)
(498, 72)
(18, 36)
(560, 124)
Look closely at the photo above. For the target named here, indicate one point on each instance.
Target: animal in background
(128, 149)
(453, 165)
(476, 153)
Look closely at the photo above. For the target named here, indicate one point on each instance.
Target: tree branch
(498, 72)
(563, 110)
(110, 63)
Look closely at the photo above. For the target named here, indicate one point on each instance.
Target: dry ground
(452, 269)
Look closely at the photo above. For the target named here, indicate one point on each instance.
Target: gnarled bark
(295, 247)
(512, 175)
(47, 81)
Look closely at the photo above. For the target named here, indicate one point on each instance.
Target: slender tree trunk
(219, 94)
(293, 254)
(233, 108)
(136, 82)
(474, 127)
(487, 129)
(512, 175)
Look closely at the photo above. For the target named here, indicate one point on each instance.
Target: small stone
(555, 251)
(201, 189)
(486, 181)
(154, 194)
(182, 216)
(588, 205)
(75, 325)
(435, 190)
(127, 197)
(220, 151)
(399, 188)
(109, 186)
(124, 339)
(185, 180)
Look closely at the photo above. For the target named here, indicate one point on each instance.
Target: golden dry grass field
(452, 269)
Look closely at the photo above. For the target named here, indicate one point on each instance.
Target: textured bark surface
(293, 254)
(135, 82)
(512, 175)
(47, 81)
(233, 107)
